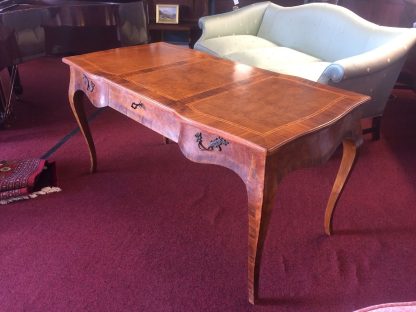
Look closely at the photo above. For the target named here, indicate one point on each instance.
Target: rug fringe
(43, 191)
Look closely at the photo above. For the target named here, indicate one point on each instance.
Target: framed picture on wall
(167, 13)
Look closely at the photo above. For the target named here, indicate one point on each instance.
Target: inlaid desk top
(259, 124)
(260, 107)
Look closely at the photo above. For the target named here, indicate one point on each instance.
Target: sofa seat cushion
(221, 46)
(281, 60)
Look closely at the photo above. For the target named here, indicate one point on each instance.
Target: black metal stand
(6, 102)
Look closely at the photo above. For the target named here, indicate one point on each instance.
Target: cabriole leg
(260, 204)
(77, 107)
(348, 158)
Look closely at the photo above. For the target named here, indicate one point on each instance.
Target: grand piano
(33, 28)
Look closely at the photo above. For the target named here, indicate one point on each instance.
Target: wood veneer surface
(262, 107)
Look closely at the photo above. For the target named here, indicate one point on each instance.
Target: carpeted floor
(152, 231)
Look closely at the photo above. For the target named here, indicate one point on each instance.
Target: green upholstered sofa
(319, 41)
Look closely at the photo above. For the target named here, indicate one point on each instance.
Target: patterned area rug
(24, 179)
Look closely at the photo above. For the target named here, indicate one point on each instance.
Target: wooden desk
(259, 124)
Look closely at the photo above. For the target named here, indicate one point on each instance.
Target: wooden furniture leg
(77, 107)
(348, 158)
(260, 203)
(375, 128)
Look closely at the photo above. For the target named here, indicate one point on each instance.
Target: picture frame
(167, 13)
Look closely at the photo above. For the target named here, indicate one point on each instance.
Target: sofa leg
(376, 125)
(375, 128)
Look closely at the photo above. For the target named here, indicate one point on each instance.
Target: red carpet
(152, 231)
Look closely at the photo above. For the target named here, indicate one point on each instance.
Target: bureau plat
(260, 124)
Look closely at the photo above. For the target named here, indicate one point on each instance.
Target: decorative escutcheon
(135, 105)
(88, 83)
(216, 143)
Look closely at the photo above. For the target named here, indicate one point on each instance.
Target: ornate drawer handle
(216, 143)
(88, 83)
(135, 105)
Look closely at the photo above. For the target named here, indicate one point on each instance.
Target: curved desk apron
(259, 124)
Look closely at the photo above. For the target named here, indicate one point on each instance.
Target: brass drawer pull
(88, 83)
(216, 143)
(135, 105)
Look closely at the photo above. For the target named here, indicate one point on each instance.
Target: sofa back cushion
(325, 31)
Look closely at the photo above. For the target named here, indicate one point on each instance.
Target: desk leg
(261, 192)
(260, 173)
(348, 158)
(77, 107)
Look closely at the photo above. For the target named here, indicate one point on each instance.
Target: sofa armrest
(375, 60)
(244, 21)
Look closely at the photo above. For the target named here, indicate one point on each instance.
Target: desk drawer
(145, 111)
